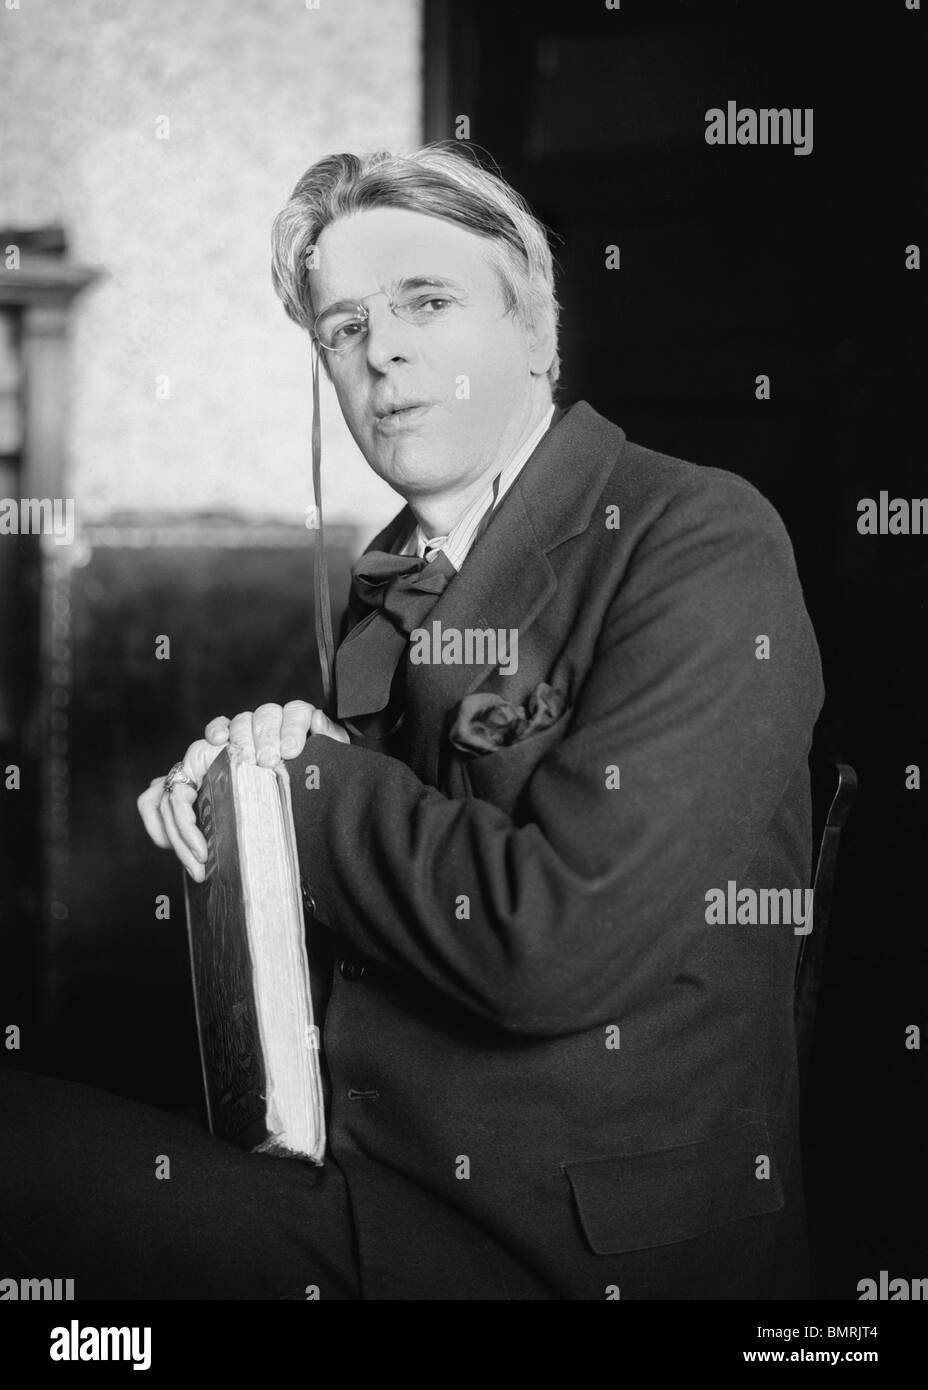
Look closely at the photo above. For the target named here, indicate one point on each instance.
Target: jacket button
(309, 902)
(350, 970)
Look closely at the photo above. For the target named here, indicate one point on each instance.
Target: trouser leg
(80, 1197)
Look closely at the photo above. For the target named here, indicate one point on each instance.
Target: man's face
(477, 372)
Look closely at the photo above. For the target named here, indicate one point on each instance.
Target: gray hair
(439, 181)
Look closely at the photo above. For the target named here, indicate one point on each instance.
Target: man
(573, 705)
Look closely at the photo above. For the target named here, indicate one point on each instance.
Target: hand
(273, 731)
(264, 737)
(169, 817)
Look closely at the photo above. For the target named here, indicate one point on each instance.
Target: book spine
(205, 805)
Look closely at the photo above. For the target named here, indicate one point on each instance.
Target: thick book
(259, 1045)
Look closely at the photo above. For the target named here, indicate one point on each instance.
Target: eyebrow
(411, 282)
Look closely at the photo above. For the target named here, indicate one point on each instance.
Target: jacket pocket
(500, 776)
(641, 1201)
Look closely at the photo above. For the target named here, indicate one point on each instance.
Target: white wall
(255, 91)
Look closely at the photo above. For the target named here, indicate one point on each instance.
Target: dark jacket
(579, 1089)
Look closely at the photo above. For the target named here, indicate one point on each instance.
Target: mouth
(401, 417)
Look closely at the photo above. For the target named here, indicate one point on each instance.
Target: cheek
(496, 367)
(349, 401)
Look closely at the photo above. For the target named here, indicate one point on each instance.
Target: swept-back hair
(440, 180)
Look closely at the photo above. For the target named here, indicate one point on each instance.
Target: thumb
(322, 724)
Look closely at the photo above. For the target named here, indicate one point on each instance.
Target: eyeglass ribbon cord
(322, 605)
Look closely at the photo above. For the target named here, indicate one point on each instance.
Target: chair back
(839, 782)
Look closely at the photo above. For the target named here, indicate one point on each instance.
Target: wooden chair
(840, 783)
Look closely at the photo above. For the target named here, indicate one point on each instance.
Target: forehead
(369, 250)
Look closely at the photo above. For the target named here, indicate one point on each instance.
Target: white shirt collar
(462, 535)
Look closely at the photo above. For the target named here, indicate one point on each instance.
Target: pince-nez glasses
(343, 328)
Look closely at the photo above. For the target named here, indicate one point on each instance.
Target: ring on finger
(177, 774)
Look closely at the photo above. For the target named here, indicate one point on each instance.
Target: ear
(541, 344)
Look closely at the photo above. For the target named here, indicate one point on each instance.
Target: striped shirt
(462, 535)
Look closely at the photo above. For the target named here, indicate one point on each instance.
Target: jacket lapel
(507, 578)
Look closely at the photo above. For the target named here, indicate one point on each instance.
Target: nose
(388, 337)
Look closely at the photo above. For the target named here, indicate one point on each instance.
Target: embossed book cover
(258, 1043)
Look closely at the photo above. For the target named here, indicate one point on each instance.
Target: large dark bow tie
(401, 591)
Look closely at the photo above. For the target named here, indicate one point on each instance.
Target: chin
(412, 482)
(413, 471)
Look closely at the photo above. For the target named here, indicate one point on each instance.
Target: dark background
(735, 261)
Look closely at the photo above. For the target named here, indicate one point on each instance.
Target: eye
(347, 331)
(426, 306)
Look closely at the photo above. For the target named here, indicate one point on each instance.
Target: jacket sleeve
(599, 890)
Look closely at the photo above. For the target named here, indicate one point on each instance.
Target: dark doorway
(738, 262)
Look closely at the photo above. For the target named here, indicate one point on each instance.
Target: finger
(265, 726)
(241, 735)
(298, 716)
(217, 730)
(198, 758)
(322, 724)
(183, 807)
(195, 764)
(151, 817)
(184, 853)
